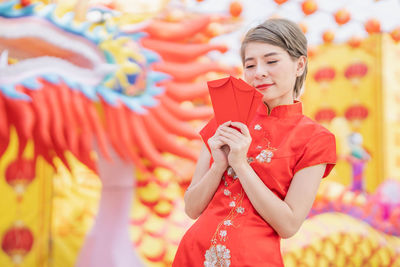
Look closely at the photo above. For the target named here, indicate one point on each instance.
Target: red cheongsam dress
(230, 232)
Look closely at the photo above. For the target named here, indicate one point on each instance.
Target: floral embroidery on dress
(228, 223)
(257, 127)
(217, 256)
(265, 154)
(240, 210)
(222, 235)
(231, 173)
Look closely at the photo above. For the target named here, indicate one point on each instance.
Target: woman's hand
(219, 150)
(238, 142)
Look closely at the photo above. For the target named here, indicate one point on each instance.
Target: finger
(227, 141)
(225, 124)
(231, 131)
(242, 127)
(232, 138)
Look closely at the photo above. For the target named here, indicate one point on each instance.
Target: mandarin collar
(282, 111)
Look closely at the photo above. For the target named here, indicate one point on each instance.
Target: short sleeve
(207, 131)
(319, 150)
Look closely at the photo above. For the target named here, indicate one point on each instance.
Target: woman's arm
(205, 178)
(203, 186)
(285, 216)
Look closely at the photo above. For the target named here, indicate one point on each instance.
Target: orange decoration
(354, 41)
(199, 38)
(25, 3)
(177, 31)
(342, 16)
(311, 50)
(214, 29)
(235, 8)
(175, 15)
(17, 242)
(395, 34)
(325, 115)
(309, 7)
(280, 2)
(303, 27)
(328, 36)
(372, 26)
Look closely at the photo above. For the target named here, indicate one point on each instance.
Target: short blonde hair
(285, 34)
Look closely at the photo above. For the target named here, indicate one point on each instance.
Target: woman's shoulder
(310, 128)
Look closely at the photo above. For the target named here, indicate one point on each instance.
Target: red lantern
(395, 34)
(372, 26)
(324, 75)
(309, 7)
(325, 115)
(280, 2)
(354, 41)
(328, 36)
(235, 9)
(17, 242)
(356, 114)
(355, 72)
(19, 174)
(342, 16)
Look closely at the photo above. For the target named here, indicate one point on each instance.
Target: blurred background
(100, 107)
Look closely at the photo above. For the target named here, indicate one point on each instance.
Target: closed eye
(249, 66)
(272, 62)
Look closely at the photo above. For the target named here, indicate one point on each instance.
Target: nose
(261, 71)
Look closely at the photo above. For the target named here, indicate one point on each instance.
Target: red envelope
(233, 99)
(223, 100)
(247, 99)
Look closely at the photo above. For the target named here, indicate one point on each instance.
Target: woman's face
(272, 71)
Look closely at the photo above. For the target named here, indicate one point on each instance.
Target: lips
(263, 86)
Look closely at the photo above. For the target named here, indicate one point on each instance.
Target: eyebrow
(266, 55)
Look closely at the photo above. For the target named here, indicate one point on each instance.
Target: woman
(257, 185)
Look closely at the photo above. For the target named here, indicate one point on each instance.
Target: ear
(301, 65)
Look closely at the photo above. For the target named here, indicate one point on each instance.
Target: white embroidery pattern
(217, 256)
(240, 210)
(265, 156)
(228, 223)
(222, 235)
(231, 173)
(257, 127)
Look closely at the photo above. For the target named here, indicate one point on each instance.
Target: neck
(271, 106)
